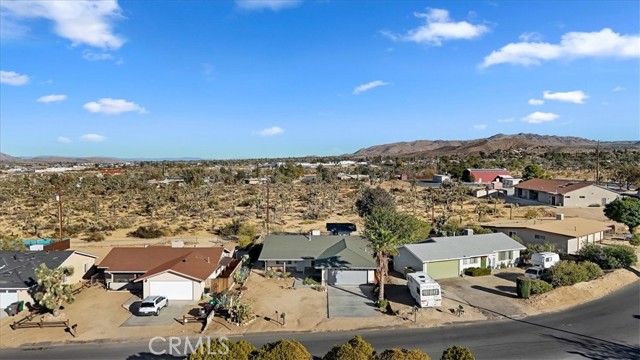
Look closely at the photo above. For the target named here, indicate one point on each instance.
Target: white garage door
(347, 277)
(172, 290)
(7, 298)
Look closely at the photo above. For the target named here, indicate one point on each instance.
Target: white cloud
(13, 78)
(536, 102)
(439, 28)
(368, 86)
(617, 89)
(63, 140)
(274, 130)
(100, 56)
(113, 106)
(531, 36)
(506, 120)
(539, 117)
(273, 5)
(51, 98)
(576, 97)
(81, 21)
(92, 138)
(600, 44)
(480, 127)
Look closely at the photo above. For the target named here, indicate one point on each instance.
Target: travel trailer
(545, 259)
(424, 289)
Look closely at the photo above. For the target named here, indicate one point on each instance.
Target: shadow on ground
(508, 276)
(499, 291)
(399, 294)
(600, 349)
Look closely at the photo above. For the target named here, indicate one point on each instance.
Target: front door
(553, 200)
(483, 262)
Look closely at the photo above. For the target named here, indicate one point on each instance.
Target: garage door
(172, 290)
(7, 298)
(347, 277)
(443, 269)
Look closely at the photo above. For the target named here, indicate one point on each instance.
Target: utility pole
(59, 200)
(598, 163)
(267, 207)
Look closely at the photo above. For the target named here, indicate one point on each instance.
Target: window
(122, 278)
(430, 292)
(567, 197)
(540, 237)
(470, 261)
(512, 233)
(278, 262)
(504, 255)
(582, 197)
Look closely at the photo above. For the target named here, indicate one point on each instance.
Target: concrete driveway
(351, 301)
(494, 295)
(167, 316)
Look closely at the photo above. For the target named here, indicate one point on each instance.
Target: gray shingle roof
(327, 250)
(457, 247)
(17, 268)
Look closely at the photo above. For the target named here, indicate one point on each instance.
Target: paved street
(608, 328)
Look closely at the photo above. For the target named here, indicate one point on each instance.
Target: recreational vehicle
(424, 289)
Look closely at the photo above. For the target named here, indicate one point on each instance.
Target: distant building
(440, 178)
(565, 192)
(483, 176)
(256, 181)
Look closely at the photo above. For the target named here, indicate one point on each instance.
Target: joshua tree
(52, 291)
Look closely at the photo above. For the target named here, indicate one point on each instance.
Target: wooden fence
(225, 280)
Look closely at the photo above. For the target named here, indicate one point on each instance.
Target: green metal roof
(327, 250)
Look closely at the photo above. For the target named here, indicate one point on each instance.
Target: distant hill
(7, 158)
(57, 159)
(530, 142)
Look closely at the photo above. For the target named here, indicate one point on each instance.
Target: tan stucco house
(177, 273)
(568, 234)
(566, 193)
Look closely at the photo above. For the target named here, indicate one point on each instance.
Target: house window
(278, 262)
(567, 197)
(512, 233)
(123, 278)
(504, 255)
(539, 237)
(470, 261)
(582, 197)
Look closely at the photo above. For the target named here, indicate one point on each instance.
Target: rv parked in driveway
(545, 259)
(424, 289)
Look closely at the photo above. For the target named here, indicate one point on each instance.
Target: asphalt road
(608, 328)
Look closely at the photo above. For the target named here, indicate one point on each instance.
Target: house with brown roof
(178, 273)
(483, 176)
(568, 235)
(565, 192)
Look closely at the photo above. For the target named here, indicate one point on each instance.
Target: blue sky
(246, 79)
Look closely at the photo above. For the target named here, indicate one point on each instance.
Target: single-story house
(341, 260)
(565, 192)
(341, 228)
(178, 273)
(17, 271)
(449, 256)
(568, 235)
(482, 176)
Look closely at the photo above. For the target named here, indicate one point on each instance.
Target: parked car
(151, 305)
(535, 272)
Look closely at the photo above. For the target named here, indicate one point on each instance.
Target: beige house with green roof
(340, 260)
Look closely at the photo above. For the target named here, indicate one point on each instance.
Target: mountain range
(530, 142)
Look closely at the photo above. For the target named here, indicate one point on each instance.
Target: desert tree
(374, 198)
(626, 211)
(51, 291)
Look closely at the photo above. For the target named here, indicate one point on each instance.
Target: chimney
(467, 232)
(208, 260)
(559, 216)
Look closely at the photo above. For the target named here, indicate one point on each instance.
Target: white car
(151, 305)
(535, 272)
